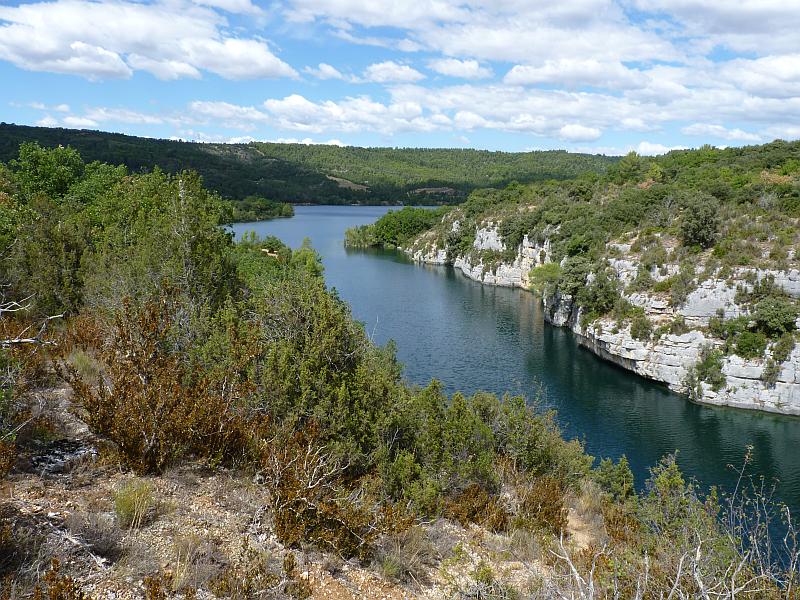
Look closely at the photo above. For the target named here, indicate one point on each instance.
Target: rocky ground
(204, 531)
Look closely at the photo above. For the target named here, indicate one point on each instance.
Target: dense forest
(179, 345)
(316, 174)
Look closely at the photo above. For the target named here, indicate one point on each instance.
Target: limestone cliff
(668, 356)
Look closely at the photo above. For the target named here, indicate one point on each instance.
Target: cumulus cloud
(465, 69)
(391, 72)
(79, 122)
(47, 121)
(572, 73)
(107, 40)
(705, 130)
(575, 132)
(324, 71)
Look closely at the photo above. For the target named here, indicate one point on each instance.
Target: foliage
(256, 208)
(615, 479)
(641, 327)
(149, 404)
(750, 344)
(306, 491)
(699, 220)
(543, 278)
(708, 369)
(542, 506)
(315, 173)
(395, 228)
(775, 315)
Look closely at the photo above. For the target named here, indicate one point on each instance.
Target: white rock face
(711, 296)
(667, 359)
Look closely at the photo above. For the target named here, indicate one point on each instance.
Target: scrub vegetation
(655, 228)
(190, 356)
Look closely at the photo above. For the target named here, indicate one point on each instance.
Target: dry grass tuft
(134, 504)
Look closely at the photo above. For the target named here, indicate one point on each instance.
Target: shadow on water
(472, 337)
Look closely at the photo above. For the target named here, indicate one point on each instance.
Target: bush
(544, 278)
(149, 403)
(775, 315)
(475, 505)
(700, 221)
(308, 497)
(708, 369)
(641, 327)
(751, 345)
(600, 296)
(615, 479)
(542, 506)
(134, 504)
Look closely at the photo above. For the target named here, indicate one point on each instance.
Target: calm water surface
(474, 337)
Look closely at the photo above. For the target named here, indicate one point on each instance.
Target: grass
(134, 504)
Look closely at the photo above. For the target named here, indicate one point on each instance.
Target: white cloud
(62, 108)
(571, 73)
(465, 69)
(307, 141)
(232, 6)
(575, 132)
(165, 70)
(324, 71)
(47, 121)
(718, 131)
(392, 72)
(231, 115)
(111, 39)
(652, 149)
(79, 122)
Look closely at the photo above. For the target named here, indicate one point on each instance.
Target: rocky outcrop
(668, 358)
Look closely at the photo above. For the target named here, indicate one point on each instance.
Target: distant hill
(317, 173)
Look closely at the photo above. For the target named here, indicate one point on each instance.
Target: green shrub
(641, 327)
(751, 345)
(775, 315)
(615, 479)
(700, 220)
(783, 347)
(708, 369)
(544, 278)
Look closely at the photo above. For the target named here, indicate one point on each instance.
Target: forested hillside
(316, 173)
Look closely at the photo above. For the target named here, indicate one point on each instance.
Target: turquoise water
(472, 337)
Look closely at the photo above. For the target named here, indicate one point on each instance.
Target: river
(474, 337)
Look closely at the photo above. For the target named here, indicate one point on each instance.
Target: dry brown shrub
(255, 574)
(8, 455)
(620, 525)
(150, 404)
(309, 499)
(58, 586)
(542, 506)
(476, 505)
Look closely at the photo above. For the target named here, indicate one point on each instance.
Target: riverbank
(672, 344)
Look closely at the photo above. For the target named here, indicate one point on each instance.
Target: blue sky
(591, 75)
